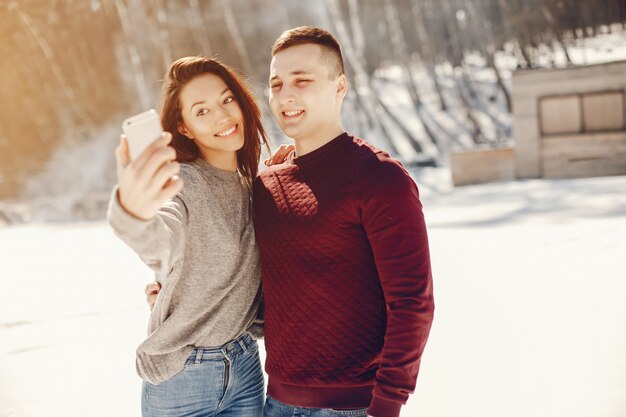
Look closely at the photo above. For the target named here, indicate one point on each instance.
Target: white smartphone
(141, 130)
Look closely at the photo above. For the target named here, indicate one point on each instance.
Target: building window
(603, 111)
(582, 113)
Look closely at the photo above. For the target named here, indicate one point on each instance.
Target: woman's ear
(183, 130)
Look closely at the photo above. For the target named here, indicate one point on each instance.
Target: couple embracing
(324, 254)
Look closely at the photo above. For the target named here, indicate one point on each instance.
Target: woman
(200, 358)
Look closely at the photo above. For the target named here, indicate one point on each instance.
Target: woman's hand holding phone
(147, 182)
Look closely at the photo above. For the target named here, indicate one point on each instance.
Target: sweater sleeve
(159, 241)
(392, 217)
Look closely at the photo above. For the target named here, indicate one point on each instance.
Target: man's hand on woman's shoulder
(280, 156)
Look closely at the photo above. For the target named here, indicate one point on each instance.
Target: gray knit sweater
(201, 246)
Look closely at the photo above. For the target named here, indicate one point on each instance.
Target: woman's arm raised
(146, 209)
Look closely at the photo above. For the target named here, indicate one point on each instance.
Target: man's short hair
(309, 34)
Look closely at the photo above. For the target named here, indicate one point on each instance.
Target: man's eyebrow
(297, 72)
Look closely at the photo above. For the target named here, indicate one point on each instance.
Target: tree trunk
(399, 49)
(235, 34)
(556, 30)
(164, 34)
(492, 63)
(476, 132)
(357, 30)
(428, 57)
(200, 34)
(361, 77)
(143, 92)
(66, 89)
(433, 76)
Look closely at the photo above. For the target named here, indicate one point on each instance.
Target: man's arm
(391, 214)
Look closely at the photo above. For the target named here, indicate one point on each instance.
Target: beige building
(568, 122)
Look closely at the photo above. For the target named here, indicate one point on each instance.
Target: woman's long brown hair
(183, 71)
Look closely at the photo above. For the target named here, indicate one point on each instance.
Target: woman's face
(211, 116)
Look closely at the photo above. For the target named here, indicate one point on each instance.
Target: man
(346, 267)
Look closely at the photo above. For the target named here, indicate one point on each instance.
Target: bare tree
(42, 43)
(233, 30)
(400, 50)
(557, 31)
(164, 33)
(143, 91)
(429, 56)
(360, 76)
(199, 29)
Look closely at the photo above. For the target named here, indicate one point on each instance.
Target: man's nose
(286, 95)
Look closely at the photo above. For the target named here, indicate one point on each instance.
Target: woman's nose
(221, 113)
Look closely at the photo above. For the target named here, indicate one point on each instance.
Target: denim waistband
(237, 346)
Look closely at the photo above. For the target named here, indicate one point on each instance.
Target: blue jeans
(224, 382)
(275, 408)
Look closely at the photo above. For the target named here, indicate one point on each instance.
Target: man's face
(304, 98)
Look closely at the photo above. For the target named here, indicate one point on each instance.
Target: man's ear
(342, 86)
(183, 130)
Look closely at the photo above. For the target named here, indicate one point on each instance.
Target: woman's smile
(229, 132)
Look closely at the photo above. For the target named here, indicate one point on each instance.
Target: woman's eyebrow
(204, 101)
(196, 103)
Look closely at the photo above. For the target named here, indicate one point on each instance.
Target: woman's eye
(201, 112)
(229, 99)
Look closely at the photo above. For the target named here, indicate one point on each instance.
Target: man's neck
(305, 146)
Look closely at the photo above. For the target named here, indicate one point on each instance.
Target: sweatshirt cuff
(120, 219)
(381, 407)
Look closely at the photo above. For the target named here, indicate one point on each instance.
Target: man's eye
(277, 85)
(302, 81)
(202, 112)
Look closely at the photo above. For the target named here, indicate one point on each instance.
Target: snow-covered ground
(530, 286)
